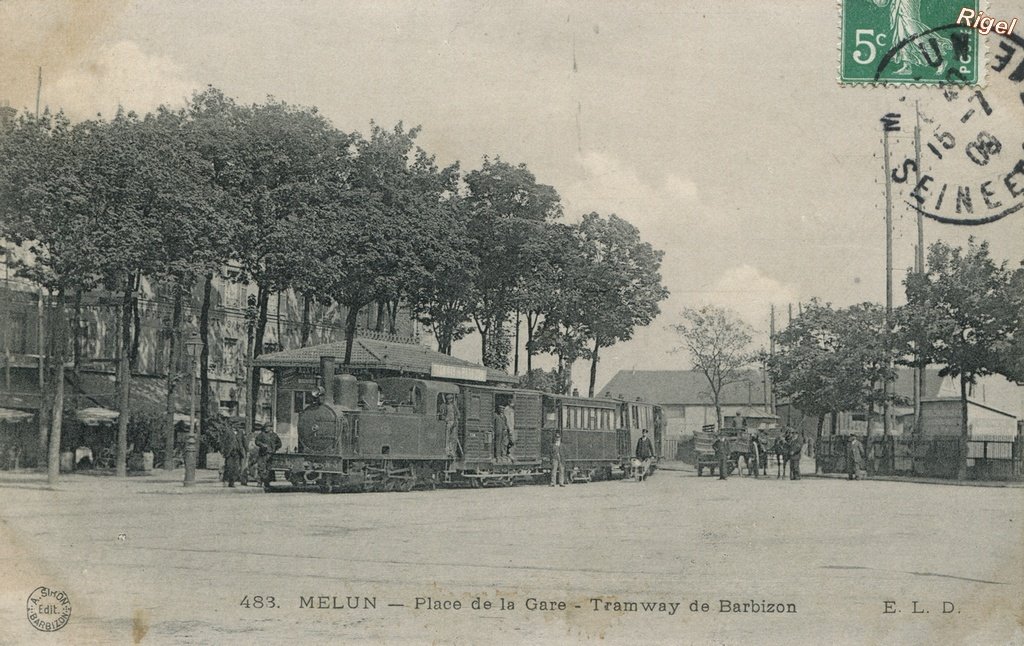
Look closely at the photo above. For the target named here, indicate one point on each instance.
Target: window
(300, 401)
(592, 418)
(474, 407)
(229, 355)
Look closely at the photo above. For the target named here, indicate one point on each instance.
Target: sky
(718, 129)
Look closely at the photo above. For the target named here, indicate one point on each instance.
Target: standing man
(644, 453)
(557, 463)
(855, 458)
(754, 455)
(450, 414)
(510, 427)
(500, 433)
(779, 448)
(721, 447)
(267, 443)
(796, 447)
(233, 450)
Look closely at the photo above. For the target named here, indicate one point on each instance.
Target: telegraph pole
(890, 123)
(919, 371)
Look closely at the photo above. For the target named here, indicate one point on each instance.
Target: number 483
(258, 602)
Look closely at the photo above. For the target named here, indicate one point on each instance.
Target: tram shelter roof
(387, 356)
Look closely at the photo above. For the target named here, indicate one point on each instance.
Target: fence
(930, 457)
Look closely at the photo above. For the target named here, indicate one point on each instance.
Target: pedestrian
(233, 450)
(500, 434)
(450, 414)
(754, 451)
(557, 463)
(267, 444)
(796, 447)
(781, 454)
(721, 447)
(510, 428)
(644, 453)
(855, 458)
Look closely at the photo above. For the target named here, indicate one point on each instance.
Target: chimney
(327, 377)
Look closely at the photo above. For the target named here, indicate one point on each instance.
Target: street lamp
(192, 346)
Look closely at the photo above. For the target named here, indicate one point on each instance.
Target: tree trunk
(593, 367)
(53, 455)
(262, 298)
(381, 315)
(136, 323)
(392, 311)
(483, 343)
(204, 363)
(125, 379)
(307, 302)
(173, 364)
(351, 320)
(961, 468)
(515, 361)
(531, 320)
(44, 341)
(77, 338)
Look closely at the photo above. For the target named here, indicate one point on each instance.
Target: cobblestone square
(145, 560)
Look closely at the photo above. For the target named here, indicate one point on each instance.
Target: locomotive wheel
(408, 485)
(475, 483)
(389, 484)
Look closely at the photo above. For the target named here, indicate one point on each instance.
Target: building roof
(683, 387)
(373, 354)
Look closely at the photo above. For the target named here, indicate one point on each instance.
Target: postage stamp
(909, 42)
(48, 609)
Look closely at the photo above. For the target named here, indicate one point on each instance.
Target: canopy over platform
(387, 357)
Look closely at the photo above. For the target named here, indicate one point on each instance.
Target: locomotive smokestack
(327, 376)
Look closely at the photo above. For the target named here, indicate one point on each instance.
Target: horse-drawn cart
(704, 450)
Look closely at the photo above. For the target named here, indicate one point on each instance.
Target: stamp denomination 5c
(908, 42)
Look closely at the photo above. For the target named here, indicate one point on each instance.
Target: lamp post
(192, 346)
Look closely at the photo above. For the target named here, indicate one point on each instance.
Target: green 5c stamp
(908, 42)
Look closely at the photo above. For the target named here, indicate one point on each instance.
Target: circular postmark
(968, 164)
(49, 610)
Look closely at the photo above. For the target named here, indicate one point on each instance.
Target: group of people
(240, 458)
(644, 455)
(787, 448)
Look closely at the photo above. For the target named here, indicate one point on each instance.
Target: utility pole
(769, 387)
(919, 371)
(890, 123)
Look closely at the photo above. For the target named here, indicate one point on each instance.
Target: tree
(47, 209)
(718, 343)
(503, 199)
(442, 298)
(191, 231)
(281, 157)
(389, 234)
(963, 310)
(621, 282)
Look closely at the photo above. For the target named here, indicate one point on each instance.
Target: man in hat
(557, 463)
(796, 447)
(644, 453)
(267, 443)
(721, 447)
(854, 458)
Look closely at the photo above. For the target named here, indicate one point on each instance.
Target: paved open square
(677, 559)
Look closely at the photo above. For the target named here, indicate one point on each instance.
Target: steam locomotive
(400, 433)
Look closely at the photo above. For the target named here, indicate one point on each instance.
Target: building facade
(25, 314)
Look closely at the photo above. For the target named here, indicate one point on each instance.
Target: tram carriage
(401, 433)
